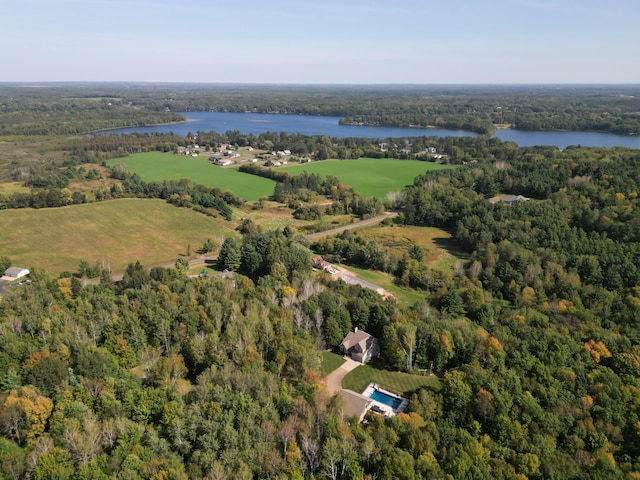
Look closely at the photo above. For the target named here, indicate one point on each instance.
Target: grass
(331, 361)
(396, 382)
(158, 166)
(8, 188)
(272, 216)
(371, 177)
(405, 296)
(439, 250)
(115, 232)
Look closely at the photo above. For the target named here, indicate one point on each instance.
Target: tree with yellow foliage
(24, 414)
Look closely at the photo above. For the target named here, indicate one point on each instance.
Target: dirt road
(351, 226)
(313, 236)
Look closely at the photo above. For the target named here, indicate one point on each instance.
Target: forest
(534, 339)
(531, 336)
(73, 109)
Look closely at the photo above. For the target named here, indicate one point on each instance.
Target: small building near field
(321, 263)
(16, 272)
(360, 346)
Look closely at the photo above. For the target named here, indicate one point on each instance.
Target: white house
(16, 272)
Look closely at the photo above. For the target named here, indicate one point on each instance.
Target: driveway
(3, 291)
(334, 379)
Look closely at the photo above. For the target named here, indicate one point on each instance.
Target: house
(321, 263)
(360, 346)
(16, 272)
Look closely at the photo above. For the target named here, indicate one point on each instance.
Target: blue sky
(324, 41)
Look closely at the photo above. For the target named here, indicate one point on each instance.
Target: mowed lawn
(116, 232)
(396, 382)
(158, 166)
(371, 177)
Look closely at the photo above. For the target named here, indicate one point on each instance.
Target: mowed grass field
(396, 382)
(157, 166)
(371, 177)
(116, 232)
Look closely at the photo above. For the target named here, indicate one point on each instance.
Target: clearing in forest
(115, 232)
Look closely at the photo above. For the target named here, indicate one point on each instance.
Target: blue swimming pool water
(388, 400)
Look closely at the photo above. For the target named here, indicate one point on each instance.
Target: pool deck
(386, 410)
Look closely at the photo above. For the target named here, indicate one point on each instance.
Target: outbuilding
(16, 272)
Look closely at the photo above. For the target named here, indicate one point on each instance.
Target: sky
(321, 41)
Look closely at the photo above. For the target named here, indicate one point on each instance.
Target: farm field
(157, 166)
(371, 177)
(116, 232)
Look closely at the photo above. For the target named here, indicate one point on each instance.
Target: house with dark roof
(360, 346)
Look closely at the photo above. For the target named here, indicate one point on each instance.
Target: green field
(405, 296)
(396, 382)
(157, 166)
(371, 177)
(115, 232)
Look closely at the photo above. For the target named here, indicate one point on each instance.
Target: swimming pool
(393, 402)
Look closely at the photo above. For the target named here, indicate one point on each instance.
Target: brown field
(439, 251)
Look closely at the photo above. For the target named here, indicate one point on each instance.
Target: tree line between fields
(534, 338)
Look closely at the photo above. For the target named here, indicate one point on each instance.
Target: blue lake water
(388, 400)
(257, 123)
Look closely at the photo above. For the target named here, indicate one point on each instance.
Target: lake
(257, 123)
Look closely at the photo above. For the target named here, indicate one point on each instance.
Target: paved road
(3, 291)
(351, 226)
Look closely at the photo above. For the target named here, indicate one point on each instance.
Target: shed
(16, 272)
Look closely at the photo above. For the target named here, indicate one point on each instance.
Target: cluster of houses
(189, 150)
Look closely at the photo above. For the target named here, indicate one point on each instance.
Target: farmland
(369, 176)
(157, 166)
(116, 232)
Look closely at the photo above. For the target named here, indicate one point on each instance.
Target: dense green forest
(71, 109)
(534, 339)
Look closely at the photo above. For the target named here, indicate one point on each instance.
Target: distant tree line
(64, 109)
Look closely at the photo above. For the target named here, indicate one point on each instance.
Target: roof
(357, 403)
(13, 271)
(358, 337)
